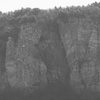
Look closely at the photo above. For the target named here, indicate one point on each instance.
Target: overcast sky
(11, 5)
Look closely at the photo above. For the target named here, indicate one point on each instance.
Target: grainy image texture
(50, 54)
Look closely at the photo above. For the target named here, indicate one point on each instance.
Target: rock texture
(23, 68)
(81, 42)
(51, 47)
(38, 58)
(54, 52)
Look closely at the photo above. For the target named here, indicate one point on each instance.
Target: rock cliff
(50, 47)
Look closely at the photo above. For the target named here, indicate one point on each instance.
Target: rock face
(52, 51)
(81, 42)
(23, 69)
(38, 59)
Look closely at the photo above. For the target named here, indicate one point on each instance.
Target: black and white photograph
(49, 49)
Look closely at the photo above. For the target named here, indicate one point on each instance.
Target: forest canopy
(10, 20)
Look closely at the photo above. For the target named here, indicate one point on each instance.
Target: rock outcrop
(81, 42)
(51, 47)
(38, 59)
(52, 51)
(23, 68)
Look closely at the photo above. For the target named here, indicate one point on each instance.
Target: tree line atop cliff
(13, 20)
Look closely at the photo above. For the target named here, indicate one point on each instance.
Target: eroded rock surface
(81, 42)
(23, 69)
(51, 51)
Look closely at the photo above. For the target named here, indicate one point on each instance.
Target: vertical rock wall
(49, 52)
(80, 38)
(23, 69)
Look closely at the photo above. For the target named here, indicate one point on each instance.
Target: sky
(11, 5)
